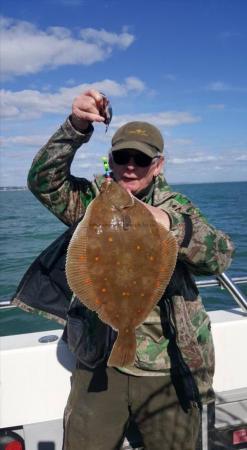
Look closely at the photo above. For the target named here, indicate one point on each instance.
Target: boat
(35, 371)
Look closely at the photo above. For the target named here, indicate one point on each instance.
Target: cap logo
(139, 132)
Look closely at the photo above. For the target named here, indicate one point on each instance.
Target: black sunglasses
(122, 157)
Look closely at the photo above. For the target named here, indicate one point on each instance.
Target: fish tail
(124, 349)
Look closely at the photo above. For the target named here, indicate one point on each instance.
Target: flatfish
(119, 262)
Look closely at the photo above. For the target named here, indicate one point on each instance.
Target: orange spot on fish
(151, 258)
(110, 239)
(97, 301)
(125, 294)
(138, 247)
(142, 295)
(96, 258)
(88, 281)
(81, 258)
(103, 289)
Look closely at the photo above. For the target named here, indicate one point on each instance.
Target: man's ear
(159, 166)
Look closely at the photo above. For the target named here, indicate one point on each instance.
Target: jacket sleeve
(205, 250)
(49, 178)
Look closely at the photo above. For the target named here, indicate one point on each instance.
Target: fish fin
(76, 264)
(124, 349)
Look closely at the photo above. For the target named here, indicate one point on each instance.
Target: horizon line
(25, 187)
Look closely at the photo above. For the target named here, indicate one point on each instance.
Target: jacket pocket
(202, 327)
(87, 336)
(151, 353)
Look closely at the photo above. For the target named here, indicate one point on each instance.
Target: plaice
(119, 262)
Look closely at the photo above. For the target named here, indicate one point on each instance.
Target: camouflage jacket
(202, 250)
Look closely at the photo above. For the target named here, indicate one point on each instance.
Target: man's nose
(131, 163)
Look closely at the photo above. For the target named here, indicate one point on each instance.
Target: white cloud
(181, 141)
(217, 106)
(218, 86)
(134, 84)
(28, 104)
(53, 47)
(229, 158)
(241, 158)
(195, 159)
(27, 141)
(90, 165)
(160, 119)
(217, 168)
(170, 77)
(67, 2)
(221, 86)
(229, 34)
(103, 37)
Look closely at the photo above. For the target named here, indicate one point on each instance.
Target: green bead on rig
(106, 166)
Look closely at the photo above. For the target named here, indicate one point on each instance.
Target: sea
(27, 228)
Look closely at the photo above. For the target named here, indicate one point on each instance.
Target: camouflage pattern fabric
(208, 252)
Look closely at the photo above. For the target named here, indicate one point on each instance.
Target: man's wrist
(80, 126)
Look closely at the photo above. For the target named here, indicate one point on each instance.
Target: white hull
(35, 378)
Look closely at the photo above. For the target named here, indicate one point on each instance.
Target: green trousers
(97, 415)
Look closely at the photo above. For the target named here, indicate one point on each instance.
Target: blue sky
(179, 64)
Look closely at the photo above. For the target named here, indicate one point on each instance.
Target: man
(174, 365)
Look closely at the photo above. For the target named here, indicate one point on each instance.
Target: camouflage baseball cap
(140, 136)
